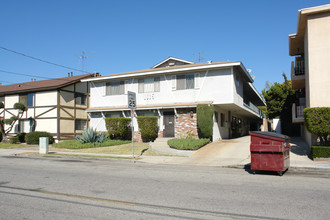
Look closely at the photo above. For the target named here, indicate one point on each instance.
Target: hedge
(21, 137)
(317, 121)
(205, 120)
(321, 151)
(33, 137)
(148, 126)
(187, 143)
(118, 128)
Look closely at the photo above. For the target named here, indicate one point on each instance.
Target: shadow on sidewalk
(300, 147)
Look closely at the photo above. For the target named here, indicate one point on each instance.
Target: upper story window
(115, 88)
(81, 99)
(185, 81)
(149, 85)
(27, 99)
(237, 80)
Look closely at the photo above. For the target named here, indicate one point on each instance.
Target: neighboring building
(57, 106)
(171, 91)
(310, 73)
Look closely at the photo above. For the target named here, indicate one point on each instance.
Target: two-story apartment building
(310, 72)
(57, 106)
(172, 89)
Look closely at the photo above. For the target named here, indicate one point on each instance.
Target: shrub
(91, 136)
(33, 137)
(317, 121)
(19, 106)
(118, 128)
(10, 120)
(205, 120)
(320, 151)
(13, 140)
(187, 143)
(148, 126)
(21, 137)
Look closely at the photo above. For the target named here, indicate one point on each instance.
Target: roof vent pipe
(71, 73)
(68, 74)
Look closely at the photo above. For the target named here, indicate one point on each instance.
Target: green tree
(279, 98)
(11, 121)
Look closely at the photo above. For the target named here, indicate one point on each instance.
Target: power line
(44, 61)
(23, 74)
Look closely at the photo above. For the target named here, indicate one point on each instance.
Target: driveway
(224, 153)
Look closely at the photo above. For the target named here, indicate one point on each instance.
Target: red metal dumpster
(270, 151)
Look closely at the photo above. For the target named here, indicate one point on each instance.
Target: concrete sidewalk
(225, 153)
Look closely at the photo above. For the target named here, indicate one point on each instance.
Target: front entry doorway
(169, 124)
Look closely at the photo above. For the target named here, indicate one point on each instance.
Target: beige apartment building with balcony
(310, 72)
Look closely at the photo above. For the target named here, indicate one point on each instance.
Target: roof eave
(172, 70)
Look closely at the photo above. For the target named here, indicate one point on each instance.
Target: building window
(149, 85)
(115, 88)
(80, 99)
(27, 99)
(185, 82)
(237, 80)
(113, 114)
(80, 124)
(26, 125)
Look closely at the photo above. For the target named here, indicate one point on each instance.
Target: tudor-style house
(57, 106)
(310, 72)
(172, 89)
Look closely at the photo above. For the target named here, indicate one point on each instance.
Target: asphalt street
(75, 188)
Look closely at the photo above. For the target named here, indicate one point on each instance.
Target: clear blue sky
(133, 35)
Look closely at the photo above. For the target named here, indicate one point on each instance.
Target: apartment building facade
(57, 106)
(172, 89)
(310, 72)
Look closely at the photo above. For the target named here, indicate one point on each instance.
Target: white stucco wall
(45, 98)
(10, 100)
(216, 86)
(49, 125)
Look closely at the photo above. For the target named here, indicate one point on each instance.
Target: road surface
(36, 187)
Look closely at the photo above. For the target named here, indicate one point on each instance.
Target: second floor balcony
(253, 107)
(298, 74)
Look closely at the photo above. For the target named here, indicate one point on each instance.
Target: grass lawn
(75, 144)
(14, 146)
(107, 147)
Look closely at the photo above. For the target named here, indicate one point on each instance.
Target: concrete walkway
(224, 153)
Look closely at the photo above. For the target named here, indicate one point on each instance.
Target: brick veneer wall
(184, 123)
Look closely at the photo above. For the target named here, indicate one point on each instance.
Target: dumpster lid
(271, 134)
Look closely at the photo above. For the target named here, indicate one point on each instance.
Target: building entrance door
(169, 124)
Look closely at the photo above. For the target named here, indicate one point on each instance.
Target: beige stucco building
(310, 72)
